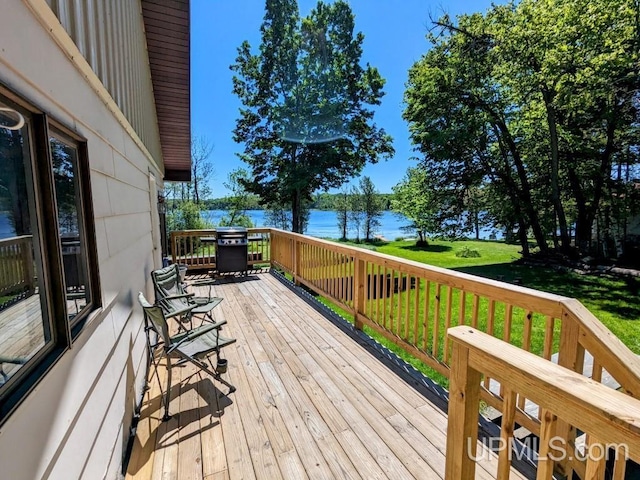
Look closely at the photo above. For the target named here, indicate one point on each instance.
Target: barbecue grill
(231, 249)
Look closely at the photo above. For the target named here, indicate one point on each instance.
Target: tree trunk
(524, 241)
(476, 221)
(296, 212)
(587, 213)
(555, 168)
(524, 193)
(521, 196)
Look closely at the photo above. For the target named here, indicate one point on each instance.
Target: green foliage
(334, 201)
(227, 203)
(239, 200)
(371, 206)
(414, 198)
(342, 212)
(467, 252)
(306, 69)
(238, 220)
(186, 216)
(524, 112)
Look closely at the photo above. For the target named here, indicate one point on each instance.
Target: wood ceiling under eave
(168, 43)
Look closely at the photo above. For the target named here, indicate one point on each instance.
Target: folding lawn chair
(193, 346)
(176, 301)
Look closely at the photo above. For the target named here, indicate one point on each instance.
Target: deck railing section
(610, 419)
(197, 248)
(413, 305)
(16, 265)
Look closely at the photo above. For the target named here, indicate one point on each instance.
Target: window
(48, 269)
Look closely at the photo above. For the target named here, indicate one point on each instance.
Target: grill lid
(231, 230)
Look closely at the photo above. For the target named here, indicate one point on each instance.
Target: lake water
(324, 223)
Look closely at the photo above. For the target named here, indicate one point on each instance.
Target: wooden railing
(610, 419)
(413, 305)
(197, 248)
(16, 265)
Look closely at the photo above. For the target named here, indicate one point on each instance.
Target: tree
(413, 197)
(201, 169)
(371, 206)
(342, 212)
(306, 79)
(239, 200)
(186, 200)
(534, 102)
(356, 210)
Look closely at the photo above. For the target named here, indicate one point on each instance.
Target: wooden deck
(310, 403)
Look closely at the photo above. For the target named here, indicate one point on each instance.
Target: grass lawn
(614, 301)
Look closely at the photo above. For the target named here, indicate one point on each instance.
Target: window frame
(64, 332)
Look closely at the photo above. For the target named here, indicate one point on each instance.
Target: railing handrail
(613, 354)
(551, 303)
(15, 240)
(608, 415)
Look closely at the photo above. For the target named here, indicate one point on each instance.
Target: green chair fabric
(195, 346)
(176, 301)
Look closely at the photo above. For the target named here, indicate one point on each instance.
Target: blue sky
(394, 39)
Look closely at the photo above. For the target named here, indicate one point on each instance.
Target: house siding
(75, 424)
(110, 36)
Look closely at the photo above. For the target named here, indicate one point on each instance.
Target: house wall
(75, 423)
(110, 36)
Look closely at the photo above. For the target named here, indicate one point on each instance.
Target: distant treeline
(320, 201)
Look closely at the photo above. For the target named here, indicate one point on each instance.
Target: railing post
(359, 279)
(462, 428)
(174, 247)
(296, 261)
(571, 356)
(27, 259)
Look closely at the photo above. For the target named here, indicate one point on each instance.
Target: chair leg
(152, 362)
(167, 396)
(219, 378)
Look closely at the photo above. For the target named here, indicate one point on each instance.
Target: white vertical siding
(110, 36)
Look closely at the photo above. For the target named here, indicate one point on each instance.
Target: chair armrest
(179, 295)
(180, 312)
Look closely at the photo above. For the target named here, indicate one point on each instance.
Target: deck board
(310, 403)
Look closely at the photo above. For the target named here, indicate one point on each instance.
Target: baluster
(462, 308)
(385, 292)
(378, 294)
(526, 345)
(425, 315)
(435, 347)
(491, 315)
(547, 433)
(506, 434)
(620, 466)
(370, 283)
(416, 310)
(506, 334)
(407, 307)
(596, 458)
(447, 323)
(476, 307)
(548, 338)
(397, 288)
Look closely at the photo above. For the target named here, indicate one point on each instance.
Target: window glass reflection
(67, 188)
(24, 329)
